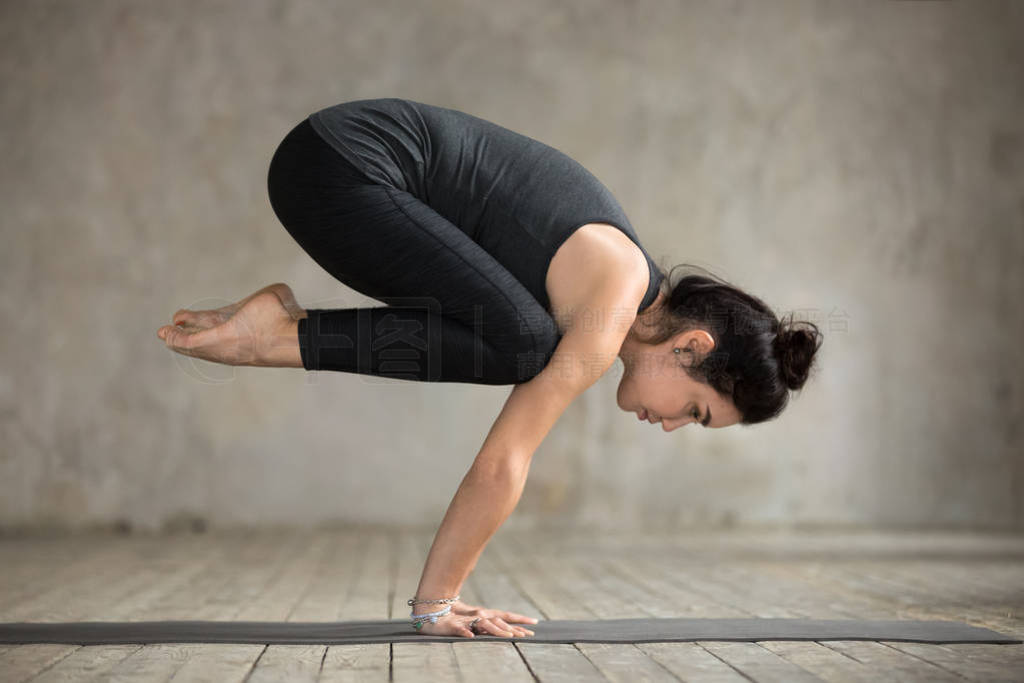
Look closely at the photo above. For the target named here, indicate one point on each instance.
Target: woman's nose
(670, 425)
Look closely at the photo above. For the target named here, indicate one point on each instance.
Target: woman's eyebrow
(707, 416)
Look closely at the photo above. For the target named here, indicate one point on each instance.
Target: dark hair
(757, 358)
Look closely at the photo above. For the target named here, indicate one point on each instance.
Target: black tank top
(516, 197)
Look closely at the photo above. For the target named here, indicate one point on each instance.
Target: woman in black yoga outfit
(501, 261)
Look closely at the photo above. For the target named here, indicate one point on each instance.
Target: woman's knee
(538, 339)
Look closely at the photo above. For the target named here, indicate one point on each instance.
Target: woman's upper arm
(586, 350)
(533, 407)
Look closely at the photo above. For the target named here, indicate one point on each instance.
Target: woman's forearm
(485, 498)
(490, 490)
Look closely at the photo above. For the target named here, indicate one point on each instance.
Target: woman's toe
(185, 316)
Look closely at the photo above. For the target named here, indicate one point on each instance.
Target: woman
(502, 261)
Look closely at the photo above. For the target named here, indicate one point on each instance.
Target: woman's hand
(489, 622)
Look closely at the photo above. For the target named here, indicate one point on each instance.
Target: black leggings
(454, 313)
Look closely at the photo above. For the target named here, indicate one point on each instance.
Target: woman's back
(518, 198)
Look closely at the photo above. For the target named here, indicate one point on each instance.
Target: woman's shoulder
(597, 269)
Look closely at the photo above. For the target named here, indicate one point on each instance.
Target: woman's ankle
(283, 350)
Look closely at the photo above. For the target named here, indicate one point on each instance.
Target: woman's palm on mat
(492, 622)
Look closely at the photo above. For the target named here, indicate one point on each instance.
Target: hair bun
(795, 346)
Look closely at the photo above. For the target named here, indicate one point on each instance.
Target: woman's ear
(694, 343)
(704, 342)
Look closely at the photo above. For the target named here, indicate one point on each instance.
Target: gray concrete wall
(860, 162)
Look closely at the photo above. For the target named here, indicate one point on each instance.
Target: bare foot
(203, 320)
(248, 332)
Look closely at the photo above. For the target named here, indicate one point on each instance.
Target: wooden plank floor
(360, 573)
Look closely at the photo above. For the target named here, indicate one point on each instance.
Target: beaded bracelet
(432, 617)
(419, 619)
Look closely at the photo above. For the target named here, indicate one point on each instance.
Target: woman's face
(656, 387)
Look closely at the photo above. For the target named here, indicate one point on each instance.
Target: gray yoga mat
(547, 631)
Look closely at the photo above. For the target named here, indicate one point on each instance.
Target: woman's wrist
(431, 605)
